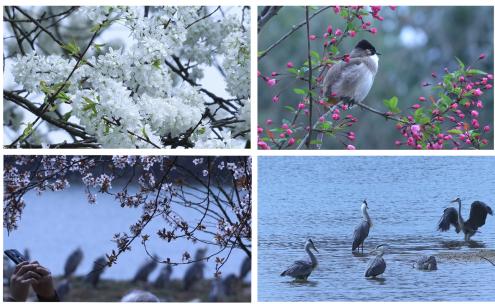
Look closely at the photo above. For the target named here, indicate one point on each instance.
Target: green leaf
(72, 48)
(475, 72)
(98, 46)
(418, 115)
(293, 70)
(454, 131)
(67, 116)
(260, 53)
(27, 131)
(300, 91)
(334, 50)
(325, 125)
(391, 104)
(315, 142)
(315, 55)
(90, 105)
(289, 108)
(461, 64)
(156, 63)
(145, 135)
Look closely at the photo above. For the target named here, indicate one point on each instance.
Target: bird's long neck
(312, 257)
(460, 220)
(366, 216)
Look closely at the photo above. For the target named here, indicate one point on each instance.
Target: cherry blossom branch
(267, 13)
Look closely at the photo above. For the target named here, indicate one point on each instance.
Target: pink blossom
(271, 82)
(351, 147)
(488, 86)
(352, 33)
(475, 123)
(338, 32)
(325, 36)
(398, 143)
(329, 29)
(291, 141)
(321, 119)
(289, 132)
(335, 116)
(482, 56)
(285, 126)
(489, 76)
(479, 104)
(484, 141)
(416, 106)
(477, 92)
(461, 79)
(301, 105)
(290, 64)
(333, 40)
(281, 135)
(269, 122)
(312, 37)
(260, 130)
(415, 129)
(469, 87)
(263, 145)
(275, 99)
(486, 128)
(373, 30)
(474, 113)
(421, 98)
(336, 9)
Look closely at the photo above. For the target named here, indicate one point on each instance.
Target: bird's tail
(283, 273)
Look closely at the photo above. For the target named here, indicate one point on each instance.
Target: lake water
(320, 197)
(56, 223)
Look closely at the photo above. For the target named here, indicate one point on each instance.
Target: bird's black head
(365, 202)
(366, 46)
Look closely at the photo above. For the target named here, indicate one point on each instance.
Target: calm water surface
(320, 197)
(56, 223)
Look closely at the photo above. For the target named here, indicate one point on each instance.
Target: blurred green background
(413, 41)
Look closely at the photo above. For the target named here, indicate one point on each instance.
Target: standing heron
(363, 229)
(377, 266)
(145, 270)
(93, 277)
(245, 268)
(163, 277)
(301, 269)
(477, 218)
(73, 262)
(195, 272)
(426, 263)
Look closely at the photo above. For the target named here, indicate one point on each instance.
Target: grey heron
(164, 276)
(426, 263)
(363, 229)
(63, 289)
(195, 272)
(377, 266)
(477, 218)
(245, 268)
(93, 277)
(145, 270)
(73, 262)
(301, 269)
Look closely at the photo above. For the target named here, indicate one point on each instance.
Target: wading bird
(363, 229)
(477, 218)
(73, 262)
(426, 263)
(301, 269)
(377, 266)
(245, 268)
(145, 270)
(93, 277)
(163, 277)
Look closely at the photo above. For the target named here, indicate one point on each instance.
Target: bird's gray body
(376, 267)
(301, 269)
(363, 229)
(73, 262)
(145, 270)
(163, 277)
(63, 289)
(245, 268)
(353, 79)
(426, 263)
(195, 272)
(477, 218)
(98, 268)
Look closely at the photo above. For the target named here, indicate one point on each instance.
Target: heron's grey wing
(299, 268)
(478, 213)
(376, 267)
(421, 262)
(336, 74)
(360, 234)
(448, 218)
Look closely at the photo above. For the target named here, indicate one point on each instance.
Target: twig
(268, 13)
(310, 76)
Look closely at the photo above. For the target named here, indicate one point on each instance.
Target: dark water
(56, 223)
(320, 197)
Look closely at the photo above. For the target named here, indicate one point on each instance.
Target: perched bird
(164, 276)
(301, 269)
(363, 229)
(63, 289)
(477, 218)
(93, 277)
(426, 263)
(145, 270)
(73, 261)
(245, 268)
(377, 266)
(139, 296)
(195, 272)
(352, 80)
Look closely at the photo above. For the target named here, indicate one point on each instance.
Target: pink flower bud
(488, 86)
(336, 9)
(477, 92)
(300, 106)
(398, 143)
(373, 30)
(421, 98)
(329, 29)
(484, 141)
(482, 56)
(312, 37)
(291, 141)
(338, 32)
(275, 99)
(486, 128)
(415, 129)
(479, 104)
(271, 82)
(352, 33)
(269, 122)
(351, 147)
(321, 119)
(333, 40)
(289, 132)
(260, 130)
(474, 113)
(325, 35)
(290, 64)
(285, 126)
(416, 106)
(475, 123)
(281, 135)
(335, 116)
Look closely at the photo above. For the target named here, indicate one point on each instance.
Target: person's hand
(43, 285)
(23, 276)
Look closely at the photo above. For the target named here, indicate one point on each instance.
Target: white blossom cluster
(130, 97)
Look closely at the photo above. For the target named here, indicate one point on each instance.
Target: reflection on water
(320, 197)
